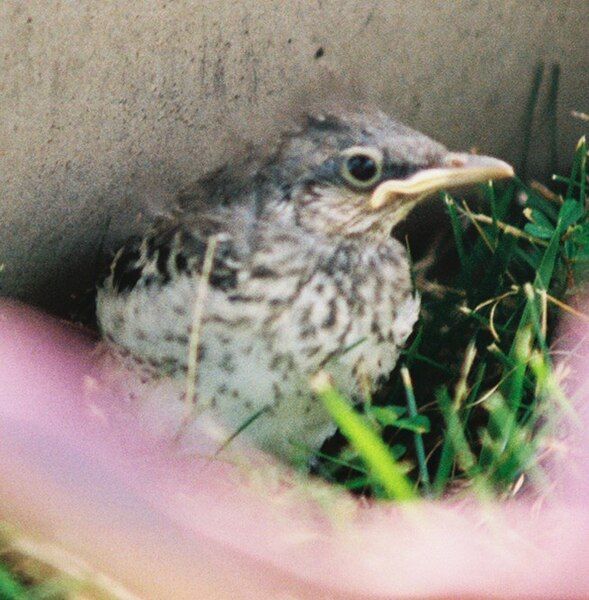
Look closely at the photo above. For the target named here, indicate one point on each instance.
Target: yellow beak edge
(461, 170)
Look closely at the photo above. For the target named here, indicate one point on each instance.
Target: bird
(304, 277)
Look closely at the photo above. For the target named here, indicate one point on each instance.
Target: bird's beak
(456, 170)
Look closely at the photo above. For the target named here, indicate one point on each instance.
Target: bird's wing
(176, 244)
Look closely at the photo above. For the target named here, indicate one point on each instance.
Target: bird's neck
(361, 253)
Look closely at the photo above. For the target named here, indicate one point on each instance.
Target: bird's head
(358, 175)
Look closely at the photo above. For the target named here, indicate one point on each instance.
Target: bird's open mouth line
(462, 169)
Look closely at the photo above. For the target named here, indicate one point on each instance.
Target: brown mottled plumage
(305, 275)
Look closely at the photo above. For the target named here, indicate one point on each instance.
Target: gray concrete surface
(107, 108)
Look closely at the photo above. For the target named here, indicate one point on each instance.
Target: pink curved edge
(79, 475)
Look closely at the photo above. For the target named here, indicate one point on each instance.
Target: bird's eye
(362, 167)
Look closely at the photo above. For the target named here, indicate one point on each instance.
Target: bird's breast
(352, 315)
(291, 314)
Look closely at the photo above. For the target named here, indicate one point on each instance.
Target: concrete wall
(109, 107)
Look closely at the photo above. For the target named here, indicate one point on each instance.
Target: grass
(10, 587)
(21, 579)
(472, 401)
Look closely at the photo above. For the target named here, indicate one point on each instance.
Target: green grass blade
(582, 159)
(455, 433)
(366, 441)
(457, 229)
(256, 415)
(417, 437)
(529, 118)
(10, 588)
(551, 115)
(444, 467)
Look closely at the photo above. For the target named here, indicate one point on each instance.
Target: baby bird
(305, 276)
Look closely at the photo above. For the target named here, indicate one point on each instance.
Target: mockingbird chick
(305, 275)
